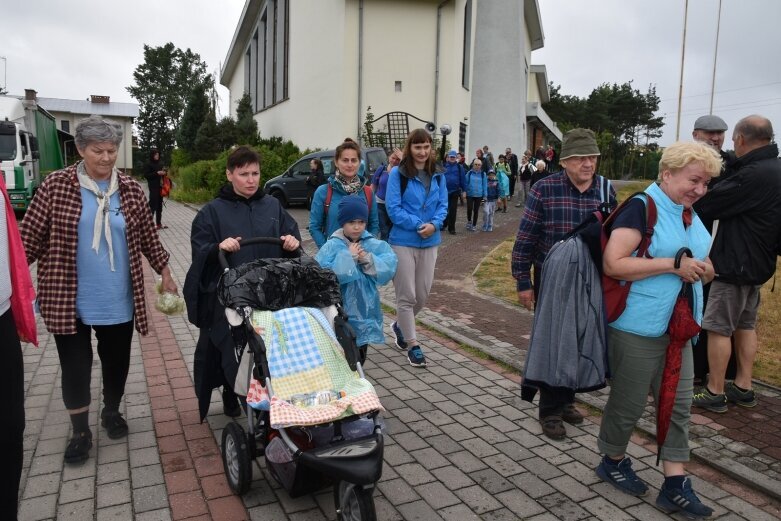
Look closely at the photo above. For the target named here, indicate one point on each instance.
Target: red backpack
(595, 232)
(367, 191)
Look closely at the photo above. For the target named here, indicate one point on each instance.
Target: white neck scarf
(101, 215)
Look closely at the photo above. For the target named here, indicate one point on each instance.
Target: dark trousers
(553, 400)
(472, 209)
(12, 413)
(76, 362)
(512, 184)
(452, 210)
(385, 222)
(156, 205)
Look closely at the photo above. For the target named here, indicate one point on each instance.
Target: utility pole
(680, 85)
(5, 74)
(715, 55)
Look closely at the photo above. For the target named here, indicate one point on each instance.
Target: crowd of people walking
(89, 227)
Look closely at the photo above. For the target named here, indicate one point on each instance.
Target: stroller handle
(222, 255)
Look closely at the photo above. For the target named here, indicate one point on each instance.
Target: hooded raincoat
(358, 281)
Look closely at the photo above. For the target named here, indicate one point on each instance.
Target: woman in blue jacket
(345, 182)
(416, 200)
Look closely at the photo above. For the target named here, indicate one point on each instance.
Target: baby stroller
(310, 411)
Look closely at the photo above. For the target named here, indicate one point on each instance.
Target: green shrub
(200, 181)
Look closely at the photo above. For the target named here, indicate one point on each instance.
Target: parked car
(291, 188)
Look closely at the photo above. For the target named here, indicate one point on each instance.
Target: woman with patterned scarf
(345, 182)
(88, 227)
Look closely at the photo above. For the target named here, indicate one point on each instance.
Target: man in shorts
(748, 205)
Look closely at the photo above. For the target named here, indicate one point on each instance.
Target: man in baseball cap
(710, 130)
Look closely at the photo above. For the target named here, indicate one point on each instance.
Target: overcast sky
(588, 42)
(72, 49)
(80, 47)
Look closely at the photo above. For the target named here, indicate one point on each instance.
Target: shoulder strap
(328, 195)
(367, 192)
(403, 181)
(650, 220)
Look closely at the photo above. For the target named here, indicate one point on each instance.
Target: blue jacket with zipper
(414, 208)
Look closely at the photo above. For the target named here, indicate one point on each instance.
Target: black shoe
(451, 232)
(78, 447)
(571, 414)
(230, 403)
(115, 424)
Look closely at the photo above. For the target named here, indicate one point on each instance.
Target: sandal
(571, 415)
(553, 427)
(78, 447)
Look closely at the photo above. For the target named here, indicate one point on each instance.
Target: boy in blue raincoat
(361, 263)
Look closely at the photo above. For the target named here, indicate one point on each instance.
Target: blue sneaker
(415, 357)
(682, 500)
(621, 476)
(400, 343)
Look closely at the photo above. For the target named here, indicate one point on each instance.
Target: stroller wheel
(353, 502)
(236, 458)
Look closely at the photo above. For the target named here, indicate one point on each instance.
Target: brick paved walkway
(746, 443)
(461, 444)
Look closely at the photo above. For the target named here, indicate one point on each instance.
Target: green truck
(29, 147)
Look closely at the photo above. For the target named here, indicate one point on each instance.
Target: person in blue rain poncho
(361, 263)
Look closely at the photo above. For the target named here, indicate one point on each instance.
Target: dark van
(291, 188)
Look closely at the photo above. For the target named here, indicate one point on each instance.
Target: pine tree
(246, 126)
(207, 140)
(194, 115)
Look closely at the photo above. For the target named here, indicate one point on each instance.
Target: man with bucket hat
(556, 205)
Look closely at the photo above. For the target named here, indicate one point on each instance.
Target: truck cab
(23, 124)
(19, 163)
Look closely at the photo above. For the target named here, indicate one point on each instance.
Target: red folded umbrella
(681, 329)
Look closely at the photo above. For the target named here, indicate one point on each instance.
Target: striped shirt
(50, 236)
(554, 207)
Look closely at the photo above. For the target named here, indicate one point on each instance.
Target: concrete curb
(707, 456)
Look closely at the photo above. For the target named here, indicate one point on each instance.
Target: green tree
(207, 140)
(623, 118)
(161, 86)
(227, 133)
(195, 113)
(246, 126)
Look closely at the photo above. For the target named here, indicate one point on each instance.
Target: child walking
(361, 263)
(503, 176)
(492, 195)
(475, 193)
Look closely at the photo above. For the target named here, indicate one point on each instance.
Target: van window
(374, 159)
(300, 169)
(328, 165)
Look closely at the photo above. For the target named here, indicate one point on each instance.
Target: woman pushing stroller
(241, 210)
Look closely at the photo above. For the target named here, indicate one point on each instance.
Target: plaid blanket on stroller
(304, 357)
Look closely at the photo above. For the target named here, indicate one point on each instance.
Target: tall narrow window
(465, 68)
(273, 53)
(253, 73)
